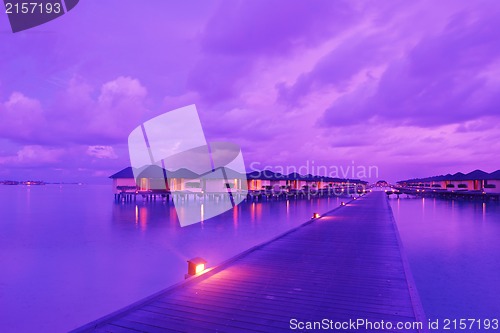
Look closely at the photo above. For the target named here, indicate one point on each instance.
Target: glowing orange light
(195, 266)
(200, 268)
(342, 203)
(316, 215)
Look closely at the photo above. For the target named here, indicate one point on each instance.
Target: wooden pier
(251, 195)
(347, 265)
(444, 194)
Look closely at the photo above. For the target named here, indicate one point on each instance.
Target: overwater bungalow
(221, 179)
(124, 181)
(184, 180)
(475, 181)
(297, 181)
(155, 178)
(133, 180)
(492, 183)
(260, 180)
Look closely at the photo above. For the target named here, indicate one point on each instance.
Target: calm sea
(454, 252)
(70, 254)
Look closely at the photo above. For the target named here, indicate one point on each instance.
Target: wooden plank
(395, 306)
(211, 318)
(276, 313)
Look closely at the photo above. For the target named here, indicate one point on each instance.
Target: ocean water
(69, 254)
(453, 248)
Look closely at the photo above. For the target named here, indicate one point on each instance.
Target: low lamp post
(195, 266)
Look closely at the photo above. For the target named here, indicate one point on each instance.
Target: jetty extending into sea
(347, 266)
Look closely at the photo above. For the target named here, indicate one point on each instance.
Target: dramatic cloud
(33, 156)
(21, 116)
(337, 68)
(79, 115)
(242, 33)
(261, 27)
(412, 87)
(101, 152)
(445, 78)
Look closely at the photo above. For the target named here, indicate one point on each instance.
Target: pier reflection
(143, 215)
(235, 216)
(147, 215)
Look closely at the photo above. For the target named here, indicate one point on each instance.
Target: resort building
(154, 178)
(477, 180)
(124, 181)
(492, 183)
(261, 180)
(222, 179)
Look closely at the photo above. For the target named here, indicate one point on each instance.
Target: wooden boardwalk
(347, 265)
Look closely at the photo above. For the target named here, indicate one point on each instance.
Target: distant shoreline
(35, 182)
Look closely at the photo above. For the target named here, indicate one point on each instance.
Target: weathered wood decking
(347, 265)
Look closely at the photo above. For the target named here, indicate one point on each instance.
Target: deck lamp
(316, 216)
(195, 266)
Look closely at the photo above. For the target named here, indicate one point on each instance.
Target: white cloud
(102, 152)
(33, 155)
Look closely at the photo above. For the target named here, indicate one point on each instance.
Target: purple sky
(409, 86)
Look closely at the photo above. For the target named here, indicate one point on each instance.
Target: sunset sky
(412, 87)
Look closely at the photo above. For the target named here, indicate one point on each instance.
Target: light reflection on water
(454, 250)
(70, 254)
